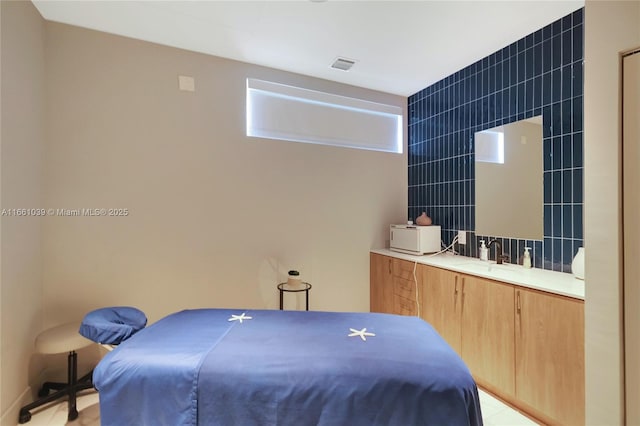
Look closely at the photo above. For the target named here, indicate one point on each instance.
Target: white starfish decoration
(361, 333)
(240, 317)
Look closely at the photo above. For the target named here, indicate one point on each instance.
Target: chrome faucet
(499, 255)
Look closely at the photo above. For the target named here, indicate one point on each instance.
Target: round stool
(60, 339)
(63, 338)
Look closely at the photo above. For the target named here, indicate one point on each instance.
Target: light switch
(186, 83)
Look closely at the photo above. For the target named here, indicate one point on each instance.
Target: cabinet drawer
(404, 288)
(403, 269)
(403, 306)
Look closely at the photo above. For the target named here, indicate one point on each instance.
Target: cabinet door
(404, 269)
(381, 283)
(406, 277)
(404, 293)
(550, 355)
(441, 303)
(487, 333)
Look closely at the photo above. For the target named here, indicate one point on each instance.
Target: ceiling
(400, 47)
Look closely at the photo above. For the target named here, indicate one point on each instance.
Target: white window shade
(277, 111)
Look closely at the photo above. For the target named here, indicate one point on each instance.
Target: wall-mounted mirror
(509, 183)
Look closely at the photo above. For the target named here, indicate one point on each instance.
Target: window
(278, 111)
(490, 147)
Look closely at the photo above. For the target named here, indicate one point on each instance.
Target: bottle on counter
(484, 251)
(526, 258)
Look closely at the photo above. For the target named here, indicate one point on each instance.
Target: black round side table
(286, 288)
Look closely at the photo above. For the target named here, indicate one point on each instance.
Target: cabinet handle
(518, 306)
(389, 266)
(456, 286)
(462, 301)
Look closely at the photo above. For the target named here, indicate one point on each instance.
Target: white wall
(22, 47)
(611, 27)
(215, 218)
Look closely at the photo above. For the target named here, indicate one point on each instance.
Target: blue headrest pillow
(112, 325)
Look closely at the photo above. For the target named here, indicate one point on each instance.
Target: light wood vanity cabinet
(525, 346)
(550, 356)
(487, 332)
(475, 316)
(381, 283)
(442, 304)
(405, 286)
(393, 288)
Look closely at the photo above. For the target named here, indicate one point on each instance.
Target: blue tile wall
(541, 73)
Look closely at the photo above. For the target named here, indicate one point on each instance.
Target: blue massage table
(267, 367)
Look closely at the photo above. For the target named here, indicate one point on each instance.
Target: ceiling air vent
(343, 64)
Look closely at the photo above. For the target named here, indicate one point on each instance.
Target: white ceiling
(400, 47)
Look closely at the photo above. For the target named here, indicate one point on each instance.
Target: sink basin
(491, 268)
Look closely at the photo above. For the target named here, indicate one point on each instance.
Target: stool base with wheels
(60, 339)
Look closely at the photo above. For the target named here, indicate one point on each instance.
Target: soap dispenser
(484, 251)
(526, 258)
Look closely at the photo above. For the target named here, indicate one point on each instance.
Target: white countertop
(535, 278)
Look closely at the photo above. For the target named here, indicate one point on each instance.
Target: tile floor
(56, 414)
(494, 413)
(497, 413)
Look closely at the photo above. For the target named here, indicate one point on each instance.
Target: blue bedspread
(285, 368)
